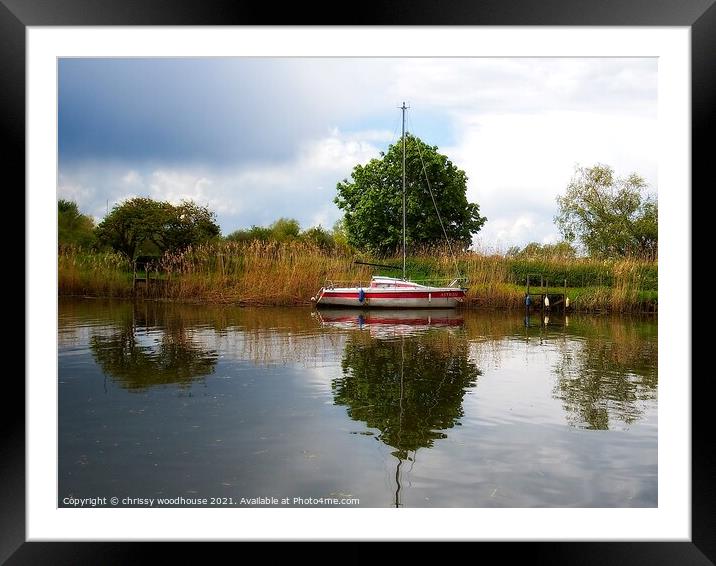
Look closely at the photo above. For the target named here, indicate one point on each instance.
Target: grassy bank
(291, 273)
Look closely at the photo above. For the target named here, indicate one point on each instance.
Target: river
(292, 407)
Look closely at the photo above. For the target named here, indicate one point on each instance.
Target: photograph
(357, 282)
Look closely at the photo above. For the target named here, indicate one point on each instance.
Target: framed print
(178, 410)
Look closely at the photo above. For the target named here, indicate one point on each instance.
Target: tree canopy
(610, 216)
(372, 200)
(142, 224)
(558, 250)
(289, 229)
(73, 227)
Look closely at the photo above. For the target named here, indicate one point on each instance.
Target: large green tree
(140, 224)
(372, 200)
(73, 227)
(610, 216)
(189, 224)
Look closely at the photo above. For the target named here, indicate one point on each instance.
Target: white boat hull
(424, 297)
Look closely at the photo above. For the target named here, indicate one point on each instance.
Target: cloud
(518, 164)
(302, 188)
(256, 139)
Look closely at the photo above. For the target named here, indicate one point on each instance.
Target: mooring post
(528, 300)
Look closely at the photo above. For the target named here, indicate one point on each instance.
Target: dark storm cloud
(217, 111)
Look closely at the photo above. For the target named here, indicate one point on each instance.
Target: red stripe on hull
(395, 295)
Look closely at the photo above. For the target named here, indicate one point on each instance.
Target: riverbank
(282, 274)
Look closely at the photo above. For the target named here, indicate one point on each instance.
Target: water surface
(412, 409)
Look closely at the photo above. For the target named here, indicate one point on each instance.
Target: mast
(404, 108)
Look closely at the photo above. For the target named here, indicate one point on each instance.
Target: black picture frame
(699, 15)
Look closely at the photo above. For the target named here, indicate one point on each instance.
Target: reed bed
(98, 274)
(290, 273)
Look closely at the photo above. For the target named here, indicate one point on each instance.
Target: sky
(256, 139)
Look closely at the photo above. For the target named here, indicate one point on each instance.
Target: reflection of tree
(409, 389)
(151, 348)
(607, 376)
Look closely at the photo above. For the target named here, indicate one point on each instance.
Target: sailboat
(393, 292)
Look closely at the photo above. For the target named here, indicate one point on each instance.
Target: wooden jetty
(541, 298)
(142, 279)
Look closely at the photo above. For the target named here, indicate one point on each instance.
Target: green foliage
(559, 250)
(143, 225)
(339, 234)
(73, 227)
(373, 199)
(610, 216)
(578, 273)
(282, 230)
(189, 224)
(320, 237)
(289, 230)
(285, 229)
(259, 233)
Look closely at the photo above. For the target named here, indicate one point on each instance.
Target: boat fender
(361, 295)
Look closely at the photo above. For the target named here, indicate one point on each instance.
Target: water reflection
(608, 375)
(235, 401)
(384, 323)
(148, 347)
(410, 388)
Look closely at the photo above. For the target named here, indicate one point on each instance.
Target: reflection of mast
(400, 423)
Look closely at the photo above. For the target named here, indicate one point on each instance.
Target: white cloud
(302, 188)
(175, 186)
(132, 178)
(516, 126)
(518, 164)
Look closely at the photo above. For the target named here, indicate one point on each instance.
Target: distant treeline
(146, 227)
(289, 230)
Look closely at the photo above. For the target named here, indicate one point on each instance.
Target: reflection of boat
(391, 292)
(411, 320)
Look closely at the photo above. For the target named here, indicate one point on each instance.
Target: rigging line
(432, 196)
(395, 132)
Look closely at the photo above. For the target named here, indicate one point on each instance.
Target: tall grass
(83, 272)
(290, 273)
(254, 273)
